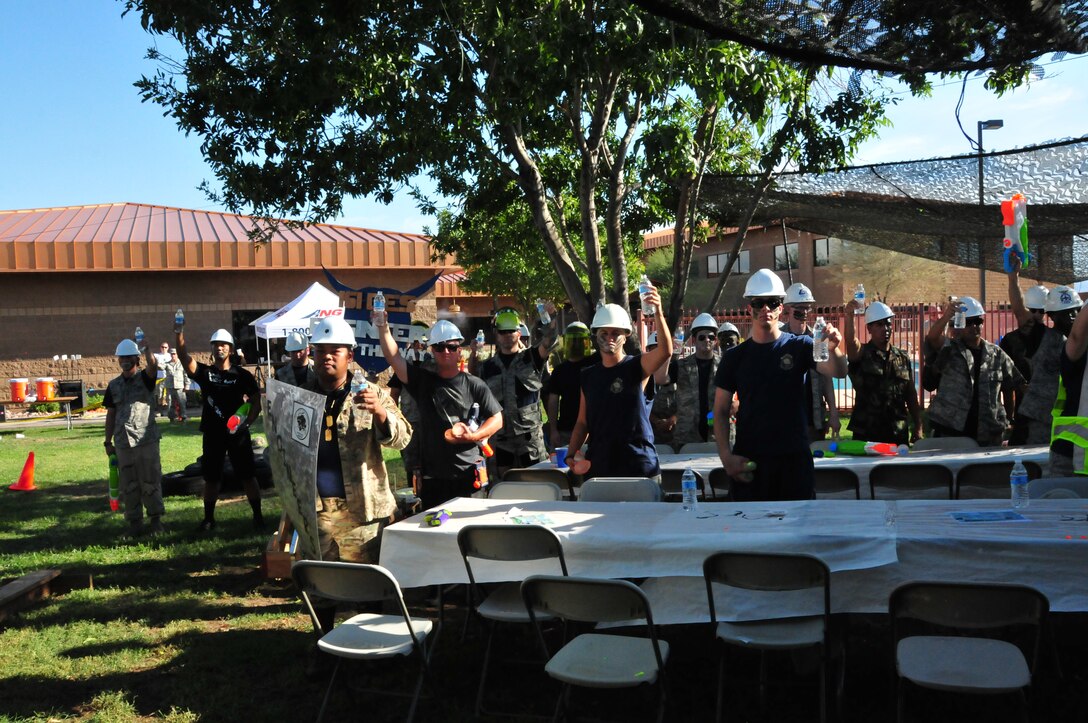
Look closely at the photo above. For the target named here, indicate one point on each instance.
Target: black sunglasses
(759, 303)
(705, 337)
(450, 348)
(974, 321)
(505, 331)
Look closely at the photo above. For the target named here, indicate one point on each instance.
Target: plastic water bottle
(680, 338)
(959, 318)
(1018, 485)
(480, 337)
(379, 301)
(687, 490)
(138, 335)
(545, 317)
(643, 289)
(358, 384)
(179, 320)
(859, 296)
(819, 340)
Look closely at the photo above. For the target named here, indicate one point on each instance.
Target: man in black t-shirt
(564, 388)
(224, 388)
(449, 437)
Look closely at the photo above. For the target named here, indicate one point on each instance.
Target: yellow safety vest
(1073, 429)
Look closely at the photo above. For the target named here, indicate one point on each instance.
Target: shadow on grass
(220, 676)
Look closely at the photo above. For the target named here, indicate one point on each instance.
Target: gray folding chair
(511, 490)
(663, 448)
(835, 481)
(930, 444)
(620, 489)
(1058, 488)
(671, 489)
(910, 481)
(557, 476)
(770, 572)
(366, 636)
(953, 661)
(989, 480)
(721, 486)
(593, 660)
(503, 604)
(699, 448)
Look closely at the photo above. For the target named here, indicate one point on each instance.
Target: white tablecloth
(955, 461)
(861, 466)
(870, 546)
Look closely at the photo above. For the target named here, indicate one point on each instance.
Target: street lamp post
(987, 125)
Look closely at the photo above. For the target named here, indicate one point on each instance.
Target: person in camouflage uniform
(885, 401)
(300, 370)
(694, 377)
(663, 411)
(355, 500)
(969, 374)
(175, 382)
(131, 434)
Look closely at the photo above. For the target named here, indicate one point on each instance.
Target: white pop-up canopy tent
(314, 302)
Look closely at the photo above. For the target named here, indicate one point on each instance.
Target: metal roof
(142, 237)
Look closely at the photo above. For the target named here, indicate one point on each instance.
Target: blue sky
(75, 131)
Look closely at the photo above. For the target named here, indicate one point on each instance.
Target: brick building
(76, 280)
(830, 267)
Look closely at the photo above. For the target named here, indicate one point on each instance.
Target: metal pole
(981, 258)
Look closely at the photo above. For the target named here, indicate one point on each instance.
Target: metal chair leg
(328, 691)
(484, 668)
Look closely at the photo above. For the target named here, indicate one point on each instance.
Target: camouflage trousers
(140, 476)
(344, 535)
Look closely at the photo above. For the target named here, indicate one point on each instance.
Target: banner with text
(399, 306)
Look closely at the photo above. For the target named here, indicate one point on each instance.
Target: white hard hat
(1062, 298)
(798, 293)
(612, 315)
(704, 321)
(727, 328)
(127, 347)
(764, 283)
(444, 331)
(878, 311)
(296, 341)
(971, 306)
(524, 330)
(1035, 297)
(333, 330)
(651, 340)
(222, 335)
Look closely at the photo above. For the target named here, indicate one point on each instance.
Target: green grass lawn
(179, 627)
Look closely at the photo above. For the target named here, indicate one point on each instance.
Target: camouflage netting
(905, 37)
(930, 208)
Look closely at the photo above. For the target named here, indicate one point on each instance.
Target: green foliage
(561, 130)
(94, 401)
(44, 407)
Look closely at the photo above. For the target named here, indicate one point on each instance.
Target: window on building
(821, 251)
(717, 263)
(785, 256)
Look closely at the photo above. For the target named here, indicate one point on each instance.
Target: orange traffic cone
(26, 479)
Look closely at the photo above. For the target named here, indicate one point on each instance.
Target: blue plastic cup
(560, 456)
